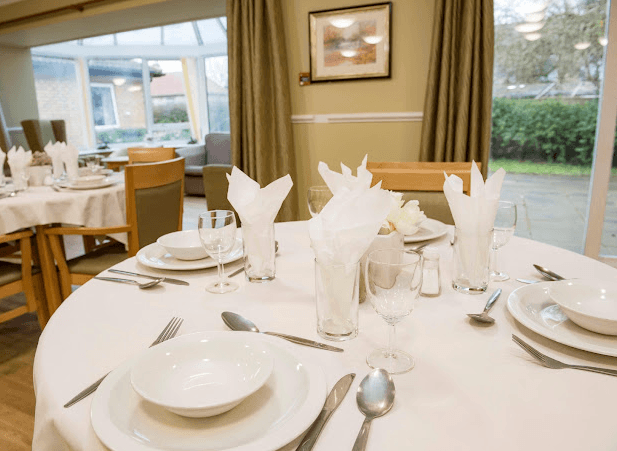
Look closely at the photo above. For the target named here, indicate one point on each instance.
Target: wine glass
(93, 163)
(503, 229)
(217, 232)
(318, 197)
(393, 279)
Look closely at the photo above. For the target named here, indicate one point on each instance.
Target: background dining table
(472, 388)
(39, 206)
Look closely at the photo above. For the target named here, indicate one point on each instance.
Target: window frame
(112, 89)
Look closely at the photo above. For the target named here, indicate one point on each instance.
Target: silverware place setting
(142, 286)
(483, 317)
(162, 279)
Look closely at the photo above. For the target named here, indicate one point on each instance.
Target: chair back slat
(150, 154)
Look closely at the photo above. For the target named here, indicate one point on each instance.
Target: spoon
(483, 317)
(548, 273)
(375, 397)
(240, 323)
(132, 282)
(7, 195)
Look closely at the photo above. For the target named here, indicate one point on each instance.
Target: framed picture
(350, 43)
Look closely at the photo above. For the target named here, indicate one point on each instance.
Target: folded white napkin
(54, 151)
(345, 228)
(336, 181)
(475, 213)
(18, 159)
(70, 155)
(256, 205)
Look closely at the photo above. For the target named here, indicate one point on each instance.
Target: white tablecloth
(472, 387)
(41, 205)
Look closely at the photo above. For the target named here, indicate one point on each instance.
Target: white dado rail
(404, 116)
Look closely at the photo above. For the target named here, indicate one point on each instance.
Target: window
(104, 107)
(218, 94)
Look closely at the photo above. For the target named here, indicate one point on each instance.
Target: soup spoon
(375, 398)
(483, 317)
(548, 273)
(142, 286)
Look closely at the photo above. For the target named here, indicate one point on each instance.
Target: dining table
(472, 387)
(41, 206)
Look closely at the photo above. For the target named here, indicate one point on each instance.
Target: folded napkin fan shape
(474, 213)
(345, 228)
(55, 153)
(18, 159)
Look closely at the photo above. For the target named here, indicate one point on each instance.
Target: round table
(472, 388)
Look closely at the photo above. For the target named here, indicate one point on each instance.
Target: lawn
(530, 167)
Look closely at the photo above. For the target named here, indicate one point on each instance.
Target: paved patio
(552, 209)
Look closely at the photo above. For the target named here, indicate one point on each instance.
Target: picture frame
(352, 43)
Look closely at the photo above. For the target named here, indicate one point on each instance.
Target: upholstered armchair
(40, 132)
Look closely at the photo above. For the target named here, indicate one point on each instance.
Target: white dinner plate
(94, 185)
(429, 229)
(156, 256)
(267, 420)
(532, 306)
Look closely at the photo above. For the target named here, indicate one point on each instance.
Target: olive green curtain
(458, 103)
(259, 95)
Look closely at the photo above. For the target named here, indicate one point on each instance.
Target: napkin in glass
(257, 208)
(346, 179)
(70, 156)
(54, 151)
(18, 161)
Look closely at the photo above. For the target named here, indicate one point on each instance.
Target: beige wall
(17, 93)
(348, 143)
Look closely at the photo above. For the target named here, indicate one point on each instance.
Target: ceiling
(144, 16)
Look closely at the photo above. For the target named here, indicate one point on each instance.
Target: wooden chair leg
(48, 267)
(40, 300)
(63, 270)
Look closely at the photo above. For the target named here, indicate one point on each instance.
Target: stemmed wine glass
(217, 232)
(503, 229)
(393, 280)
(318, 197)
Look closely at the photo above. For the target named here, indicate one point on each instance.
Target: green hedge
(544, 131)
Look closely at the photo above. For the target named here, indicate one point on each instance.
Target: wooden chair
(17, 278)
(150, 154)
(422, 181)
(154, 202)
(39, 132)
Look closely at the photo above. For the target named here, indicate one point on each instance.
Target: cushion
(218, 148)
(433, 204)
(9, 273)
(196, 171)
(193, 155)
(99, 260)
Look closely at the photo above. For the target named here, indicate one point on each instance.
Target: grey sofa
(216, 150)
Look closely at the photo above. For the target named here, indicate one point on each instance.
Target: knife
(165, 279)
(305, 342)
(332, 402)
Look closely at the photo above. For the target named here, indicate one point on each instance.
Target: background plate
(272, 417)
(430, 228)
(155, 256)
(533, 308)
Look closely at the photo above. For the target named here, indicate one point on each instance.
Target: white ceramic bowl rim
(579, 296)
(187, 239)
(239, 339)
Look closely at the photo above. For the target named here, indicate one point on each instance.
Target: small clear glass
(470, 271)
(217, 232)
(20, 178)
(259, 252)
(393, 280)
(318, 197)
(93, 163)
(505, 224)
(337, 300)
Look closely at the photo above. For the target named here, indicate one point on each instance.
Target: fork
(170, 331)
(556, 364)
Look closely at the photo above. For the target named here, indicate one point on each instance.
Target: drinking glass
(318, 197)
(393, 279)
(217, 232)
(93, 163)
(505, 223)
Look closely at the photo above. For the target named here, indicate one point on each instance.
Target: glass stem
(391, 339)
(494, 261)
(220, 270)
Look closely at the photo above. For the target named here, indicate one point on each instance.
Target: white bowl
(202, 377)
(183, 245)
(590, 304)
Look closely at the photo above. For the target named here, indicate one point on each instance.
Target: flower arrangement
(40, 159)
(403, 217)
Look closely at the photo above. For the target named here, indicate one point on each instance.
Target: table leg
(48, 268)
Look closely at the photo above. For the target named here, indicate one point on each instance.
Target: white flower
(408, 218)
(397, 203)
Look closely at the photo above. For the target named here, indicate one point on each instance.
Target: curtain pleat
(458, 102)
(259, 95)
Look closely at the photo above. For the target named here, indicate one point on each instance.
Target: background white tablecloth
(472, 387)
(41, 205)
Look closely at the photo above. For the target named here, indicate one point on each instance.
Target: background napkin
(70, 155)
(345, 228)
(54, 151)
(477, 211)
(18, 160)
(2, 158)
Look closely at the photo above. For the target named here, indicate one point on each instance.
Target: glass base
(336, 332)
(499, 276)
(222, 287)
(396, 362)
(469, 289)
(257, 279)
